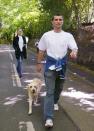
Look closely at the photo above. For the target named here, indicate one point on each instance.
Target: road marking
(28, 125)
(17, 77)
(11, 56)
(12, 76)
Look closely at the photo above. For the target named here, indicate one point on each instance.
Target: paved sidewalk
(77, 99)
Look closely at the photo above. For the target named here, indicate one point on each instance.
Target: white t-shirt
(20, 43)
(57, 44)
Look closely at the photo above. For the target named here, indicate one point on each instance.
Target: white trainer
(49, 123)
(56, 107)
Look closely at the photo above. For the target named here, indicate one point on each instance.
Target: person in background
(56, 44)
(19, 44)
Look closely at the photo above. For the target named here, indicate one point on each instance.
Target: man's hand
(73, 54)
(39, 67)
(40, 57)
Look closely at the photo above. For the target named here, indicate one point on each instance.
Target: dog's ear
(28, 86)
(40, 83)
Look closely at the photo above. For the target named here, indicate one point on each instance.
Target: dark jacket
(18, 53)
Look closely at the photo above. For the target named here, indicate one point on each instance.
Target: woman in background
(19, 44)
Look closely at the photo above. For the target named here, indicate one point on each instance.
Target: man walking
(56, 44)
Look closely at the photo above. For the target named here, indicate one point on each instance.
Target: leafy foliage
(34, 16)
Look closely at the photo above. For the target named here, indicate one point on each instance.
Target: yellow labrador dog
(33, 88)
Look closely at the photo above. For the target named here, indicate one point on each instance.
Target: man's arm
(40, 57)
(73, 47)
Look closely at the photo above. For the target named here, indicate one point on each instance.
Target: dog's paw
(36, 104)
(29, 113)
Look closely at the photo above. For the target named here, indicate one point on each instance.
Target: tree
(34, 16)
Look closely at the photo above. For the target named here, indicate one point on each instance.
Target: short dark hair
(56, 15)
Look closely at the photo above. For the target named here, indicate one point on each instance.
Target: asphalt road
(14, 99)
